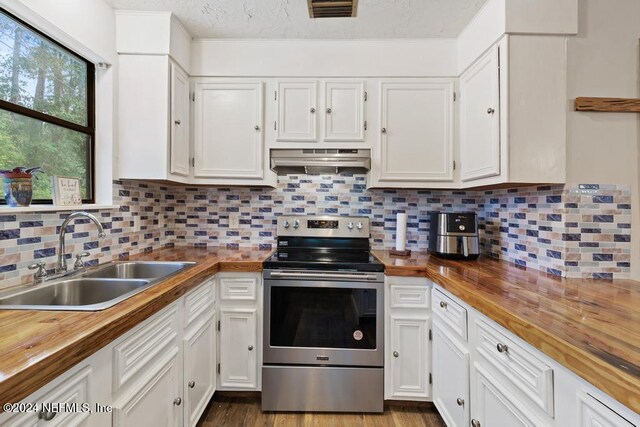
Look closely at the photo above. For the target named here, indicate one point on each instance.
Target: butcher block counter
(592, 327)
(38, 346)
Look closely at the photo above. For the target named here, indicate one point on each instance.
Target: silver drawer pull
(502, 348)
(460, 401)
(443, 304)
(46, 415)
(250, 348)
(396, 354)
(177, 401)
(475, 423)
(191, 384)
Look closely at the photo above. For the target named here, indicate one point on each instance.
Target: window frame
(89, 130)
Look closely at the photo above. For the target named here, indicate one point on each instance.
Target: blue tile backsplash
(556, 229)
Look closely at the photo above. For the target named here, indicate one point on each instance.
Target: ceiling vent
(332, 8)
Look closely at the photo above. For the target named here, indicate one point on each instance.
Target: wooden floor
(245, 411)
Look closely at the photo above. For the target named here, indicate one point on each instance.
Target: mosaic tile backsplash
(556, 229)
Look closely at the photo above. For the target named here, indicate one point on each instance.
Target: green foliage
(39, 75)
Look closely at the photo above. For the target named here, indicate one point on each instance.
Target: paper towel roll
(401, 231)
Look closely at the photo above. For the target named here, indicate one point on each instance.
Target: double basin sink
(93, 289)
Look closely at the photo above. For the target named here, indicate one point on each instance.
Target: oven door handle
(324, 275)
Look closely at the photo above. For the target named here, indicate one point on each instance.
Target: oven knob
(462, 227)
(296, 223)
(285, 224)
(350, 226)
(359, 226)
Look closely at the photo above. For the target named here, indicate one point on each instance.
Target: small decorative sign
(65, 191)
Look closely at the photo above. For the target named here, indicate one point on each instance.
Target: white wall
(87, 27)
(329, 58)
(603, 61)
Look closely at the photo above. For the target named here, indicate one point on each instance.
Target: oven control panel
(323, 226)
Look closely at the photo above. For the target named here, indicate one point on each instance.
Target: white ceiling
(279, 19)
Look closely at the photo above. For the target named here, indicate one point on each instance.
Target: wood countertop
(592, 327)
(38, 346)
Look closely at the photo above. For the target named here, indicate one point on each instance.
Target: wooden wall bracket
(610, 105)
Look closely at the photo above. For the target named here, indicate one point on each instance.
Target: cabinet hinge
(430, 335)
(193, 162)
(365, 125)
(193, 97)
(430, 378)
(455, 96)
(454, 165)
(218, 329)
(275, 95)
(218, 368)
(275, 125)
(365, 96)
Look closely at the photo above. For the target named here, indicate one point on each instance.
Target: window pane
(37, 74)
(28, 142)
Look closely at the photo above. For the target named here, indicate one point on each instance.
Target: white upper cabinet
(416, 133)
(344, 111)
(228, 140)
(297, 115)
(180, 145)
(480, 118)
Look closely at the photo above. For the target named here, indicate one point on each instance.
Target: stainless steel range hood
(320, 160)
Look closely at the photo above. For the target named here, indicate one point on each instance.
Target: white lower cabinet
(593, 413)
(199, 369)
(450, 376)
(155, 401)
(239, 331)
(407, 349)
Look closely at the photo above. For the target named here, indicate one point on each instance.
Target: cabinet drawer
(592, 412)
(520, 367)
(137, 353)
(453, 314)
(73, 391)
(410, 296)
(198, 302)
(238, 288)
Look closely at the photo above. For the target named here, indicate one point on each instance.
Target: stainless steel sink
(138, 270)
(91, 290)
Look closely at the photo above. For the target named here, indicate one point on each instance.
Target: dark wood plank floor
(224, 410)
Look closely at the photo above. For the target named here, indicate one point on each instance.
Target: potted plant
(17, 184)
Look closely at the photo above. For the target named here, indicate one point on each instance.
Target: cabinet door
(417, 131)
(450, 377)
(228, 139)
(155, 401)
(480, 119)
(344, 111)
(593, 413)
(180, 153)
(408, 360)
(238, 349)
(199, 370)
(493, 404)
(296, 111)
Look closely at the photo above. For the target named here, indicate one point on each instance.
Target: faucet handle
(79, 264)
(40, 275)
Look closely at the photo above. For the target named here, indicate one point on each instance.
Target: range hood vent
(319, 161)
(332, 8)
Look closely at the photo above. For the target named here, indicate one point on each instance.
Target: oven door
(324, 320)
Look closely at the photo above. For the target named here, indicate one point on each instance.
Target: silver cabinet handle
(250, 348)
(256, 127)
(177, 401)
(178, 122)
(490, 110)
(313, 110)
(191, 384)
(328, 110)
(460, 401)
(475, 423)
(502, 348)
(396, 354)
(384, 130)
(46, 415)
(443, 304)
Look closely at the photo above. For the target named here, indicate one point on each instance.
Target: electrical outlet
(234, 221)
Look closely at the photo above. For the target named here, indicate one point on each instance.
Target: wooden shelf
(609, 105)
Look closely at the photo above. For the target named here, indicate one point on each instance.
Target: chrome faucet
(62, 261)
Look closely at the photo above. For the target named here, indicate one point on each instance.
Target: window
(46, 108)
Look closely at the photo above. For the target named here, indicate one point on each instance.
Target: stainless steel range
(323, 327)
